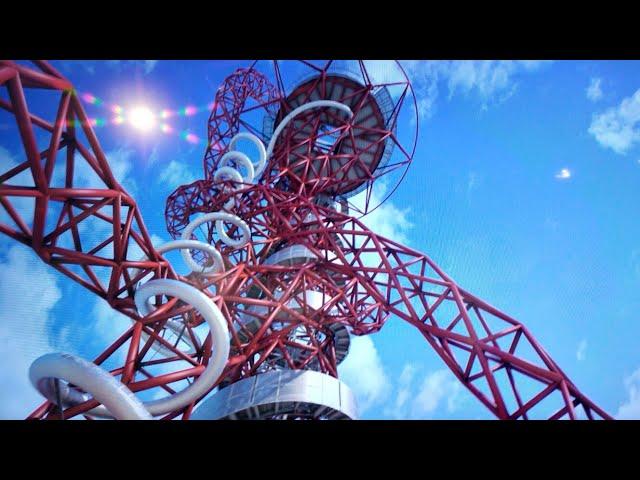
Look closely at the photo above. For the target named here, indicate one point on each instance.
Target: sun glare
(142, 118)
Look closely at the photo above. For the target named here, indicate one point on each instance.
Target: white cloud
(581, 353)
(89, 66)
(492, 81)
(563, 174)
(149, 65)
(388, 220)
(631, 408)
(154, 156)
(424, 76)
(422, 400)
(364, 373)
(176, 174)
(404, 392)
(594, 92)
(28, 293)
(617, 128)
(438, 386)
(473, 181)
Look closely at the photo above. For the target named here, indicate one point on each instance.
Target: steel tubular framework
(309, 270)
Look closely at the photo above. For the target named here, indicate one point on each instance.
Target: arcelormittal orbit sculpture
(283, 270)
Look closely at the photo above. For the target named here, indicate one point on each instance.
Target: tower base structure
(281, 394)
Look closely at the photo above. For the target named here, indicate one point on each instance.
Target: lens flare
(189, 137)
(190, 110)
(92, 99)
(142, 118)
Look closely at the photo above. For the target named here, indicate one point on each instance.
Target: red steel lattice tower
(283, 268)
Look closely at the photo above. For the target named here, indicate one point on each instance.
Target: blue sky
(524, 189)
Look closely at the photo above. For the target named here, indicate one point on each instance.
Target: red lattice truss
(364, 278)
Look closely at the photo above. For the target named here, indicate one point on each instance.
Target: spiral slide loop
(219, 218)
(176, 326)
(262, 160)
(119, 402)
(219, 335)
(303, 108)
(225, 171)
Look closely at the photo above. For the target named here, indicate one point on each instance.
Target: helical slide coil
(117, 400)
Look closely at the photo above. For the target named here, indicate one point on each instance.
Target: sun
(142, 118)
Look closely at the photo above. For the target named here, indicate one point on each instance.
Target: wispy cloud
(563, 174)
(474, 180)
(438, 386)
(618, 127)
(91, 66)
(176, 174)
(149, 65)
(630, 409)
(581, 352)
(422, 397)
(594, 92)
(491, 81)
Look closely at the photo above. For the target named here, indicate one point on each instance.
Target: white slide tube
(219, 335)
(119, 402)
(219, 218)
(303, 108)
(262, 160)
